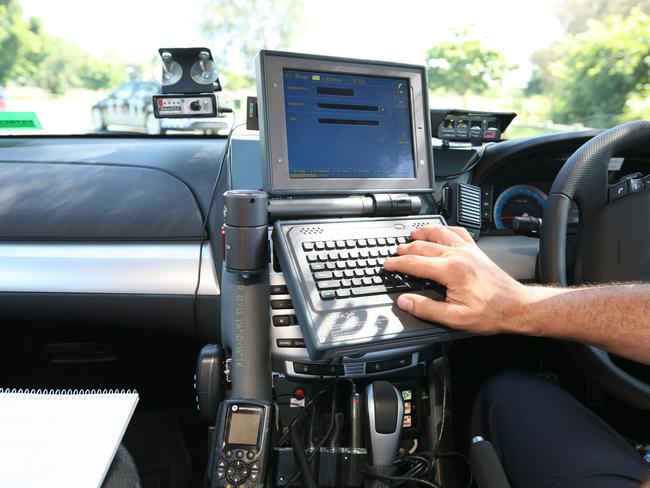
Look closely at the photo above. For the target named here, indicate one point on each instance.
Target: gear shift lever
(385, 413)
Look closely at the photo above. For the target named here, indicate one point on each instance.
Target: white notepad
(60, 438)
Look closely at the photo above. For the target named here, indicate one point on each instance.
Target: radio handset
(241, 444)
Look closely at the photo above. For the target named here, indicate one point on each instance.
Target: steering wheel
(612, 244)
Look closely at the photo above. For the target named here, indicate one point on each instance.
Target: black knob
(527, 225)
(195, 105)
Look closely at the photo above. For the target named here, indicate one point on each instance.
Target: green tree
(599, 69)
(464, 66)
(11, 31)
(574, 15)
(237, 30)
(30, 56)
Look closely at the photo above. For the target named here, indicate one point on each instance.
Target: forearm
(615, 318)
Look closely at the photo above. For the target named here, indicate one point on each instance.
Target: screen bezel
(273, 133)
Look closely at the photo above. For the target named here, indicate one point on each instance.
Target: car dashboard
(107, 269)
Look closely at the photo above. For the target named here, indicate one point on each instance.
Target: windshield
(71, 67)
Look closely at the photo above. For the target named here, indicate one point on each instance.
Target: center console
(339, 177)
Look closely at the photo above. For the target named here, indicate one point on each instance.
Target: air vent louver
(469, 206)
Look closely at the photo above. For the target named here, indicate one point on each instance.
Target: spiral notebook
(60, 438)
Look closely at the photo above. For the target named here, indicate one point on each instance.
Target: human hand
(481, 297)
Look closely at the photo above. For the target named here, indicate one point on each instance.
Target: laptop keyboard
(354, 268)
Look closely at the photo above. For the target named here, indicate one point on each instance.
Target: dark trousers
(546, 438)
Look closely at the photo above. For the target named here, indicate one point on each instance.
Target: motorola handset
(241, 444)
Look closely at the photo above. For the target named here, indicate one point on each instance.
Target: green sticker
(19, 120)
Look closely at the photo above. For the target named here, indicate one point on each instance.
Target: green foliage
(239, 29)
(574, 15)
(598, 70)
(30, 56)
(11, 30)
(464, 65)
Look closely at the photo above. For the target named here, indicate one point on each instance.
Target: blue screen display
(347, 126)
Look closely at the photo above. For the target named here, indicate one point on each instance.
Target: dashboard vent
(469, 205)
(308, 231)
(355, 368)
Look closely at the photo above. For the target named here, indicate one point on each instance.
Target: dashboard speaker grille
(417, 225)
(311, 230)
(469, 205)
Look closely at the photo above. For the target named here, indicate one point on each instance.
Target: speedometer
(517, 201)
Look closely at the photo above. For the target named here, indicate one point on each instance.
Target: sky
(390, 30)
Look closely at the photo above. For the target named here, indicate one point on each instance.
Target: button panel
(318, 369)
(631, 184)
(289, 354)
(236, 472)
(290, 342)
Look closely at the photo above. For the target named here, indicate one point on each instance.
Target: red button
(299, 391)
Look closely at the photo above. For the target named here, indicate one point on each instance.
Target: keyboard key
(372, 262)
(338, 274)
(397, 287)
(354, 254)
(372, 242)
(401, 240)
(381, 261)
(340, 265)
(284, 342)
(333, 256)
(308, 246)
(340, 244)
(322, 257)
(330, 266)
(330, 245)
(358, 273)
(327, 294)
(367, 281)
(346, 283)
(328, 285)
(316, 267)
(362, 243)
(369, 271)
(342, 293)
(362, 263)
(344, 255)
(383, 252)
(320, 246)
(312, 258)
(323, 275)
(357, 282)
(364, 254)
(368, 290)
(374, 253)
(348, 273)
(390, 241)
(376, 280)
(350, 243)
(381, 241)
(351, 264)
